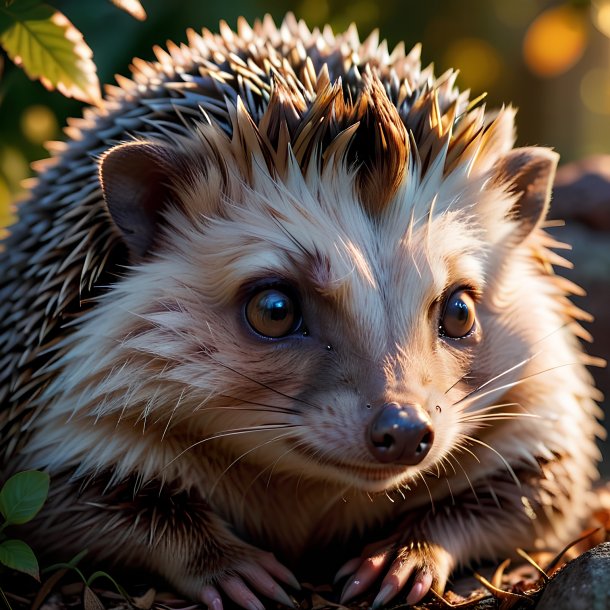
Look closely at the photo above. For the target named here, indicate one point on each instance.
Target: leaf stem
(118, 587)
(8, 605)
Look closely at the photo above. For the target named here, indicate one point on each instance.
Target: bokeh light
(13, 170)
(39, 124)
(595, 90)
(314, 12)
(364, 13)
(6, 213)
(479, 63)
(600, 15)
(515, 13)
(555, 41)
(13, 165)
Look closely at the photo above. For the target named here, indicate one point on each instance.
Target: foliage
(89, 598)
(21, 497)
(49, 48)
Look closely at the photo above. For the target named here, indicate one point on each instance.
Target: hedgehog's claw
(421, 586)
(420, 564)
(261, 578)
(210, 596)
(348, 568)
(237, 590)
(368, 570)
(396, 579)
(278, 570)
(249, 578)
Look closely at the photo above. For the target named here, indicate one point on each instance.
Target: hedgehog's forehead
(316, 233)
(350, 184)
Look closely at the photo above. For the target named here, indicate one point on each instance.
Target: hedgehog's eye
(273, 313)
(458, 319)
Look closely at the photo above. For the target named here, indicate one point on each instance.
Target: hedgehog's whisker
(477, 441)
(262, 384)
(244, 454)
(445, 460)
(449, 483)
(262, 409)
(459, 448)
(472, 397)
(265, 406)
(310, 458)
(493, 408)
(443, 463)
(496, 417)
(262, 471)
(495, 378)
(464, 376)
(233, 432)
(510, 369)
(423, 478)
(275, 463)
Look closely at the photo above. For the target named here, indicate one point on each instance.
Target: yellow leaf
(49, 48)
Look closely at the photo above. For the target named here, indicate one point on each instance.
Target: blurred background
(550, 58)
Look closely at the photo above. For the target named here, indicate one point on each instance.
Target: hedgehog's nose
(400, 434)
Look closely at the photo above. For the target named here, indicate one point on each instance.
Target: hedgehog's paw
(420, 566)
(255, 575)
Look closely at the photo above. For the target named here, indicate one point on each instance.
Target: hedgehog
(285, 299)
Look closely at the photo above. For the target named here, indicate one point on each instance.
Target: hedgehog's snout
(401, 434)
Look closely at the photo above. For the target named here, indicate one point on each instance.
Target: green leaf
(23, 496)
(50, 48)
(17, 555)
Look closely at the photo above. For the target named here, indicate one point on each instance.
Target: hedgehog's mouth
(369, 477)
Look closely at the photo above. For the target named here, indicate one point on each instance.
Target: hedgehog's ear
(135, 182)
(528, 173)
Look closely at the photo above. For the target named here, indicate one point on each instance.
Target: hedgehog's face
(303, 331)
(370, 364)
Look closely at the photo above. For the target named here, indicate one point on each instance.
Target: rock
(582, 192)
(583, 584)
